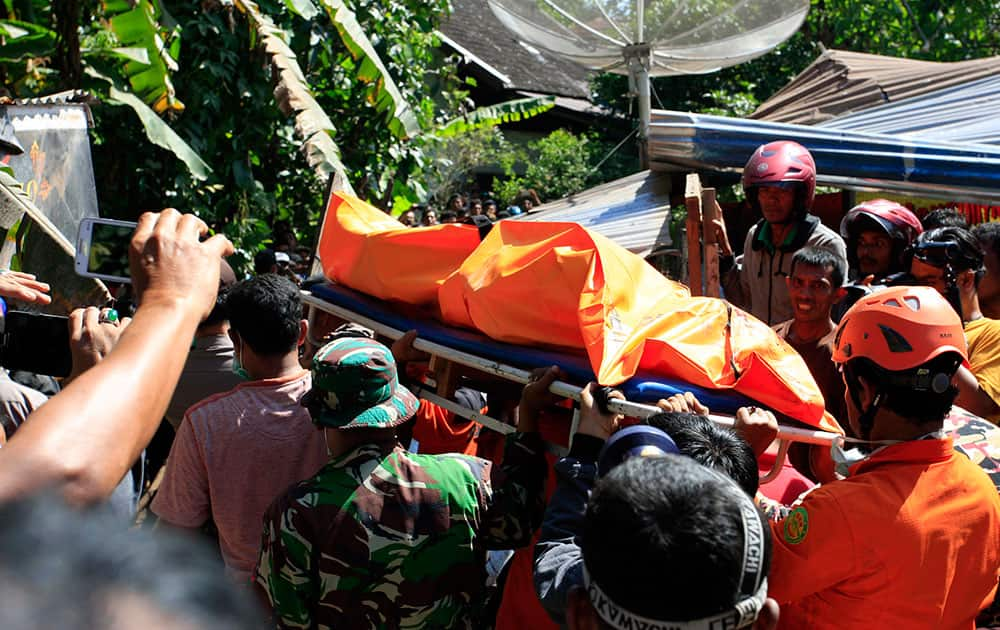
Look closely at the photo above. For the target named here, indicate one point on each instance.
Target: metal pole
(638, 59)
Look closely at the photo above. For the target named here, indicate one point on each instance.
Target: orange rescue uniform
(910, 540)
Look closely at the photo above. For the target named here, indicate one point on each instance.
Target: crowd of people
(307, 486)
(462, 208)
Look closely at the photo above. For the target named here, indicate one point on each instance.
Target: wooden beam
(692, 200)
(710, 211)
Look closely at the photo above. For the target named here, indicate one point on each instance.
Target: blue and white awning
(845, 158)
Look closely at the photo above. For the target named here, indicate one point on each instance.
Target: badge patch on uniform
(796, 526)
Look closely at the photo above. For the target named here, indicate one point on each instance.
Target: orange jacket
(910, 540)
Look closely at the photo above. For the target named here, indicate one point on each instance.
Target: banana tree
(126, 57)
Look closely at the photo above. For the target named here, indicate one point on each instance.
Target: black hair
(219, 312)
(76, 570)
(264, 261)
(917, 405)
(489, 202)
(266, 312)
(663, 538)
(988, 235)
(822, 257)
(710, 445)
(944, 217)
(447, 215)
(961, 249)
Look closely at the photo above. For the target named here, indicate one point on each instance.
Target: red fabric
(520, 608)
(440, 431)
(789, 484)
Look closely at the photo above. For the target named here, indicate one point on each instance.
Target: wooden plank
(710, 211)
(692, 200)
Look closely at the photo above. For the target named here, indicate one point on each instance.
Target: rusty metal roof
(841, 82)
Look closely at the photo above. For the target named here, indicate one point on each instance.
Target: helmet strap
(951, 292)
(866, 422)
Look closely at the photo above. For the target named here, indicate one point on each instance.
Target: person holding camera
(86, 437)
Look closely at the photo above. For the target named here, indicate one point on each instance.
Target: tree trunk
(67, 16)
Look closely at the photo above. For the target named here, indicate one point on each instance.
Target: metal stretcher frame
(786, 434)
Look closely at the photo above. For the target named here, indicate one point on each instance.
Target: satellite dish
(644, 38)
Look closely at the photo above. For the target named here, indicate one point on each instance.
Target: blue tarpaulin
(844, 157)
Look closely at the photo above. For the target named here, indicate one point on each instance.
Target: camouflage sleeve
(514, 508)
(284, 571)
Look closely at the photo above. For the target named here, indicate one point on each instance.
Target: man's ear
(966, 280)
(768, 617)
(580, 614)
(303, 331)
(867, 393)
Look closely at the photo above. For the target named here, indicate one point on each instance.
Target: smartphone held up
(102, 249)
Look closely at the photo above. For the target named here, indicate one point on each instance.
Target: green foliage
(451, 161)
(557, 165)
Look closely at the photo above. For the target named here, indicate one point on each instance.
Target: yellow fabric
(559, 285)
(983, 337)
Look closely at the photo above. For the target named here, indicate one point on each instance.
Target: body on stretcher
(453, 346)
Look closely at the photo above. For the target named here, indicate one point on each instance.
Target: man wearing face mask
(779, 182)
(234, 452)
(910, 537)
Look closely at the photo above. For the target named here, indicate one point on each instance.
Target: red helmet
(782, 161)
(899, 329)
(898, 222)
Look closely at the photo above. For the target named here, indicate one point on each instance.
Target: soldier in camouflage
(380, 537)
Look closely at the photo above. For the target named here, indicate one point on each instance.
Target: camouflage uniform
(382, 538)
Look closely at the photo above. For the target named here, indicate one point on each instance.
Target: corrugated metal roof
(841, 82)
(849, 159)
(969, 112)
(631, 211)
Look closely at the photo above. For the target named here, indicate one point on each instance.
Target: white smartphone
(102, 249)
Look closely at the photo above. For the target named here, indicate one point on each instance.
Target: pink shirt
(233, 454)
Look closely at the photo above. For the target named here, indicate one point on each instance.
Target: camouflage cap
(355, 385)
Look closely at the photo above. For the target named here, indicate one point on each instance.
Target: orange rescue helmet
(899, 329)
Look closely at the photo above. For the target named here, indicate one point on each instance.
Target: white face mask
(843, 458)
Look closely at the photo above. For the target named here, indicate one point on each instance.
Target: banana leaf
(294, 98)
(385, 96)
(492, 115)
(136, 26)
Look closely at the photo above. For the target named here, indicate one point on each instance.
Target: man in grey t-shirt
(209, 367)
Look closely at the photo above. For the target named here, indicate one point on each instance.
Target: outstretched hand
(170, 265)
(23, 287)
(91, 337)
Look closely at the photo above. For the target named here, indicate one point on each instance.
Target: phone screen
(109, 249)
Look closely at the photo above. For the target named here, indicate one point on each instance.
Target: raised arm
(84, 439)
